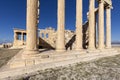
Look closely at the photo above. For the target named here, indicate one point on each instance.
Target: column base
(101, 48)
(91, 48)
(108, 47)
(79, 49)
(60, 50)
(29, 54)
(93, 51)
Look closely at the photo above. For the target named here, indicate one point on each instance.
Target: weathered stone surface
(17, 40)
(101, 25)
(60, 42)
(91, 25)
(108, 27)
(55, 60)
(79, 35)
(102, 69)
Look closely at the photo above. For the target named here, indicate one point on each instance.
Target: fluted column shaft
(15, 36)
(22, 37)
(79, 36)
(101, 25)
(108, 27)
(60, 45)
(91, 25)
(32, 24)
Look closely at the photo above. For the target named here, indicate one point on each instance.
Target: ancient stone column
(32, 26)
(22, 38)
(60, 44)
(101, 25)
(91, 25)
(15, 36)
(79, 37)
(38, 11)
(108, 27)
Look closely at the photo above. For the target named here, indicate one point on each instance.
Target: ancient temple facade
(88, 39)
(62, 47)
(90, 35)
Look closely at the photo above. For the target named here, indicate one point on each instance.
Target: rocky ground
(103, 69)
(7, 54)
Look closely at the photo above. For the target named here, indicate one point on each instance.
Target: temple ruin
(87, 38)
(86, 34)
(46, 38)
(49, 48)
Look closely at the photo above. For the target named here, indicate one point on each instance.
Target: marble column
(32, 25)
(91, 25)
(79, 36)
(101, 25)
(60, 44)
(22, 38)
(15, 36)
(38, 10)
(108, 27)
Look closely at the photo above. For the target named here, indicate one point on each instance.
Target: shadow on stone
(44, 44)
(85, 35)
(70, 43)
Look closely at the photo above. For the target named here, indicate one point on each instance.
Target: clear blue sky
(13, 15)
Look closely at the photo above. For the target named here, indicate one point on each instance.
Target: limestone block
(17, 64)
(29, 62)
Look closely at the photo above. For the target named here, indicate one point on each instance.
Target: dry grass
(7, 54)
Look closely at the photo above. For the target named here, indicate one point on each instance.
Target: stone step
(15, 63)
(57, 63)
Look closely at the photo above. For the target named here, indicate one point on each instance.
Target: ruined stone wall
(19, 35)
(19, 43)
(47, 38)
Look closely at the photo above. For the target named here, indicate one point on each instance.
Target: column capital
(109, 7)
(101, 1)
